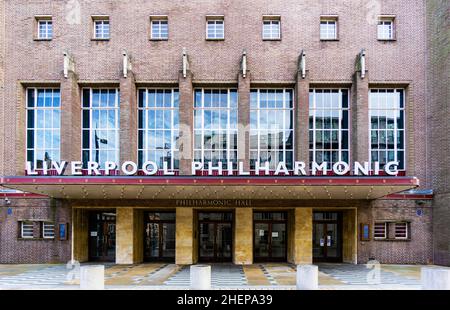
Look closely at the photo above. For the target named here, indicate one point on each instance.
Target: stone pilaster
(70, 118)
(186, 122)
(244, 120)
(243, 236)
(302, 236)
(360, 118)
(127, 247)
(80, 236)
(184, 239)
(350, 241)
(128, 118)
(301, 120)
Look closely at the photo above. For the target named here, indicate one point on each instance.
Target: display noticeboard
(63, 231)
(365, 232)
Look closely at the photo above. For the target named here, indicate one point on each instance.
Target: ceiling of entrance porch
(211, 188)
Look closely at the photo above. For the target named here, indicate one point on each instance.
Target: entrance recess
(327, 237)
(159, 236)
(102, 236)
(270, 236)
(216, 235)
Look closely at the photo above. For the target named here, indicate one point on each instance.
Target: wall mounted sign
(213, 202)
(151, 168)
(63, 231)
(365, 232)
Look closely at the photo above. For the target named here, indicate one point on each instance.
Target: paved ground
(224, 276)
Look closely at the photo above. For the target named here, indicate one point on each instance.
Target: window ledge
(35, 239)
(277, 39)
(154, 39)
(329, 40)
(210, 39)
(99, 39)
(387, 40)
(39, 39)
(395, 240)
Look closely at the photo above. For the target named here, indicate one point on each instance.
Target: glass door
(102, 236)
(207, 241)
(278, 238)
(270, 236)
(223, 241)
(262, 242)
(327, 240)
(215, 236)
(159, 236)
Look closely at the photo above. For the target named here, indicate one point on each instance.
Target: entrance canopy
(193, 187)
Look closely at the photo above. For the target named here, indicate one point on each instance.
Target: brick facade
(439, 97)
(399, 63)
(37, 250)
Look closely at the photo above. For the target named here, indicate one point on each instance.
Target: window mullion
(340, 113)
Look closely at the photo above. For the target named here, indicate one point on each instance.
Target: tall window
(45, 28)
(100, 126)
(158, 127)
(328, 126)
(215, 29)
(43, 126)
(328, 28)
(101, 28)
(215, 127)
(271, 29)
(160, 28)
(385, 29)
(271, 127)
(387, 126)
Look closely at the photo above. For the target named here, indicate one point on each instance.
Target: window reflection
(158, 127)
(215, 131)
(43, 126)
(271, 127)
(328, 126)
(386, 112)
(100, 118)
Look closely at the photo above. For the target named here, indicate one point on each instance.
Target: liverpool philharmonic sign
(151, 168)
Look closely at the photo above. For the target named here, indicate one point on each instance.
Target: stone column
(186, 106)
(243, 236)
(244, 120)
(350, 241)
(184, 238)
(302, 234)
(360, 118)
(70, 119)
(301, 120)
(126, 236)
(128, 119)
(80, 235)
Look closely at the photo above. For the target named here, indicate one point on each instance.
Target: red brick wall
(401, 62)
(418, 250)
(269, 61)
(16, 250)
(439, 95)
